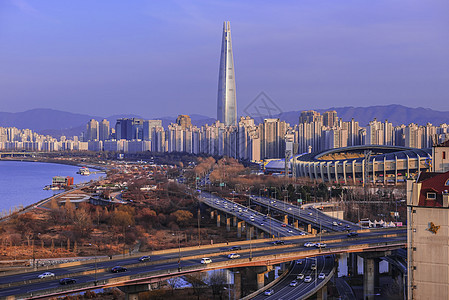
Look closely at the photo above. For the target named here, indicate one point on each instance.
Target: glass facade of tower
(226, 102)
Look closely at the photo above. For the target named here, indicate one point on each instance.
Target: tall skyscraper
(92, 130)
(226, 103)
(104, 130)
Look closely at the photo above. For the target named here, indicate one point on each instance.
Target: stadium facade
(357, 165)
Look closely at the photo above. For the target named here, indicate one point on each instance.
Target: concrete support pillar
(309, 228)
(261, 235)
(286, 219)
(296, 224)
(322, 293)
(228, 224)
(250, 232)
(352, 264)
(131, 296)
(237, 285)
(239, 228)
(260, 280)
(314, 231)
(132, 291)
(234, 221)
(271, 275)
(369, 274)
(212, 214)
(218, 219)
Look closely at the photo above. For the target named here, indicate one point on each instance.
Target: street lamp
(179, 252)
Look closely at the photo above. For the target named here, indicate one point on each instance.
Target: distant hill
(396, 114)
(57, 123)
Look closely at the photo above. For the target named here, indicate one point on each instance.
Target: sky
(161, 58)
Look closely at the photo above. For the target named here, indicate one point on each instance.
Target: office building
(226, 102)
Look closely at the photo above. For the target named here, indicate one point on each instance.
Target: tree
(217, 281)
(122, 218)
(82, 221)
(197, 282)
(172, 283)
(182, 216)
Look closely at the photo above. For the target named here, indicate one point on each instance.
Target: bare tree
(197, 282)
(217, 281)
(173, 282)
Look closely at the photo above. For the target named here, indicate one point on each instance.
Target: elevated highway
(310, 215)
(176, 262)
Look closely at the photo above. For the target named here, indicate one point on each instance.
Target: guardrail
(164, 274)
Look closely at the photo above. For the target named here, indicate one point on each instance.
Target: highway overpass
(176, 262)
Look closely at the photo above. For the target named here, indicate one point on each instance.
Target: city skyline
(320, 54)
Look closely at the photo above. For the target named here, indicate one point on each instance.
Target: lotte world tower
(226, 102)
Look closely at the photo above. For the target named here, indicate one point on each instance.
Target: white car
(308, 279)
(320, 245)
(46, 274)
(269, 292)
(321, 276)
(233, 255)
(294, 283)
(206, 260)
(309, 244)
(300, 276)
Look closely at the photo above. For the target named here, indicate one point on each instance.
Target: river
(22, 183)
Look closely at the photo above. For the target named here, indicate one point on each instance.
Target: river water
(22, 183)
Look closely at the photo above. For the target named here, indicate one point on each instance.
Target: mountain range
(57, 123)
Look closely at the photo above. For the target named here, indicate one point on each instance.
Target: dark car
(144, 258)
(278, 242)
(233, 248)
(353, 234)
(67, 281)
(118, 269)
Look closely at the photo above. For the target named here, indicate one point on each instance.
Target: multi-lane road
(309, 215)
(263, 222)
(302, 269)
(164, 263)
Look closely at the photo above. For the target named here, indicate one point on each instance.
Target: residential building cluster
(247, 141)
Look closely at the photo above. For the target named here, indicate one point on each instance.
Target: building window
(431, 196)
(444, 154)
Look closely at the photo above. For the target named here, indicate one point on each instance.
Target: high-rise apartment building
(330, 119)
(104, 130)
(184, 121)
(226, 102)
(92, 130)
(272, 138)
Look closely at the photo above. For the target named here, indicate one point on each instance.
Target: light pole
(179, 253)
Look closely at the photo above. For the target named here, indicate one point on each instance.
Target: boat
(84, 171)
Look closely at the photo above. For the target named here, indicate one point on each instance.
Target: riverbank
(22, 184)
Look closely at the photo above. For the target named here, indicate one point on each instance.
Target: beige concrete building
(428, 230)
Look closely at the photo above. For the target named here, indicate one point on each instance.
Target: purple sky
(158, 58)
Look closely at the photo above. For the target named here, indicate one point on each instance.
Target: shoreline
(41, 202)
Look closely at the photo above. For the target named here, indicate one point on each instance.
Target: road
(324, 264)
(270, 225)
(262, 252)
(310, 215)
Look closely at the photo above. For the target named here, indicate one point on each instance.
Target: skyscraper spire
(226, 102)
